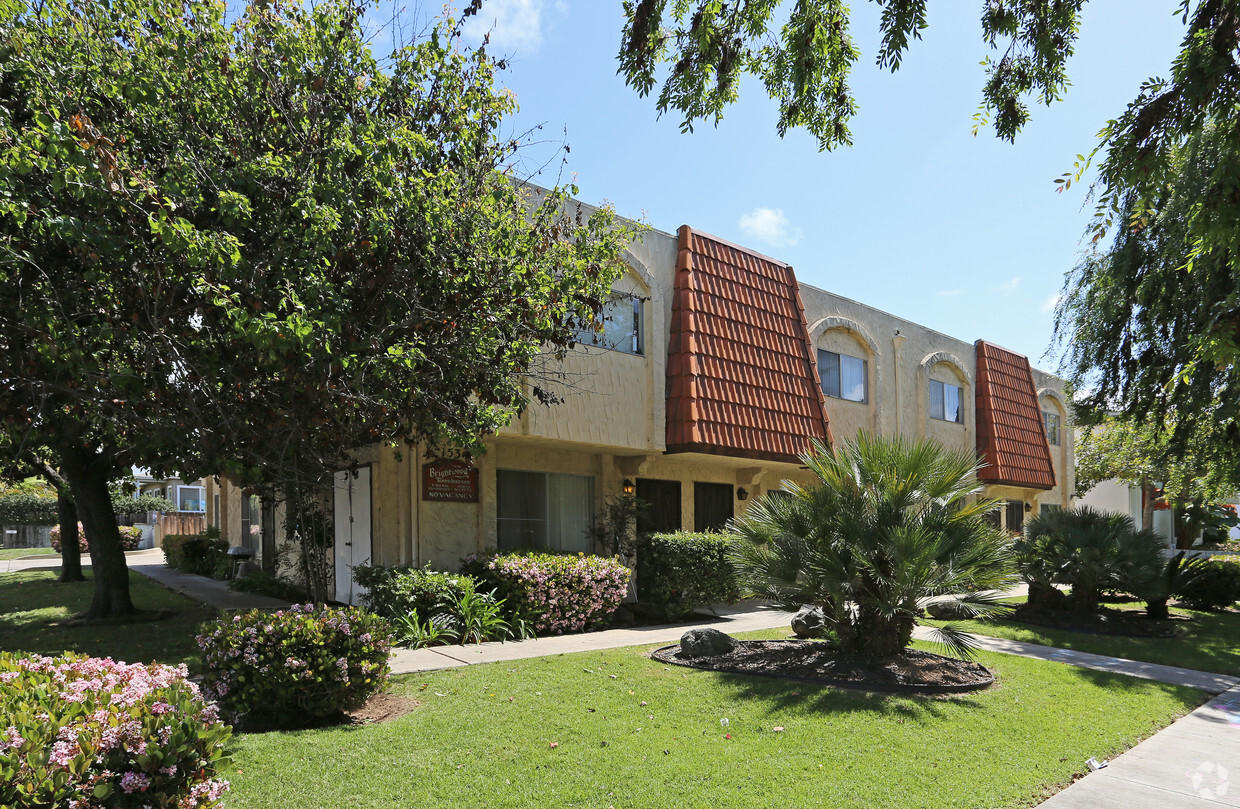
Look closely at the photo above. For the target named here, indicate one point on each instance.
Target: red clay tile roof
(742, 375)
(1010, 434)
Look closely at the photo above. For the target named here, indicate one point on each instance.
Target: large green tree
(1188, 476)
(249, 246)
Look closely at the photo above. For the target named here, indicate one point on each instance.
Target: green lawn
(483, 735)
(32, 601)
(1211, 642)
(17, 553)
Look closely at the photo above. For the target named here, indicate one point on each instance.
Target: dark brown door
(712, 506)
(662, 512)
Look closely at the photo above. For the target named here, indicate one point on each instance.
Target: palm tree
(889, 525)
(1090, 551)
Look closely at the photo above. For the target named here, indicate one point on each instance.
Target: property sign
(453, 481)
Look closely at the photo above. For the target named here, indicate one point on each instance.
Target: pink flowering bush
(80, 732)
(296, 667)
(558, 592)
(131, 536)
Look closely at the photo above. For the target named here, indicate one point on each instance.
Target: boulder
(705, 643)
(950, 610)
(448, 624)
(809, 622)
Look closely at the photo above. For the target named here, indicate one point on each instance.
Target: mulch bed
(382, 707)
(818, 662)
(1124, 623)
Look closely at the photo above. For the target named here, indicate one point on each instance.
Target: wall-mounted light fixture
(741, 494)
(1028, 506)
(628, 486)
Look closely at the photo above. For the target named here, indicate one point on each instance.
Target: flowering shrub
(295, 667)
(131, 535)
(83, 732)
(558, 592)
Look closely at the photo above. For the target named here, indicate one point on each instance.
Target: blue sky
(920, 218)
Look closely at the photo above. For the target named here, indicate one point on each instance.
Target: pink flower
(135, 782)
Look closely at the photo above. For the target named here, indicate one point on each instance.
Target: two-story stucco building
(717, 370)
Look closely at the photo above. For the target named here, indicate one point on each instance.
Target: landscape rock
(951, 610)
(809, 622)
(705, 642)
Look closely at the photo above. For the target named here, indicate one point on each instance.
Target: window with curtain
(1051, 422)
(622, 326)
(843, 377)
(945, 402)
(544, 510)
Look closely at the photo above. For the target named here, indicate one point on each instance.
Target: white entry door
(352, 509)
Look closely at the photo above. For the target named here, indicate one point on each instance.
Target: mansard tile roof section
(1010, 436)
(742, 374)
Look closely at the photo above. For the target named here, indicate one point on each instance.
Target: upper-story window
(1051, 422)
(945, 402)
(622, 326)
(843, 377)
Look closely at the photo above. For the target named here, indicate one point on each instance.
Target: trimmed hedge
(84, 732)
(202, 554)
(679, 572)
(295, 667)
(24, 508)
(395, 591)
(1217, 587)
(131, 537)
(555, 592)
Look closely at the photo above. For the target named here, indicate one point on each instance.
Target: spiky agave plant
(890, 524)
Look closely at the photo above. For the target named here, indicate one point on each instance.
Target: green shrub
(1217, 585)
(679, 572)
(27, 508)
(201, 554)
(87, 732)
(395, 591)
(555, 592)
(263, 583)
(295, 667)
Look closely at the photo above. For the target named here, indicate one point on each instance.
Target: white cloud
(1010, 285)
(948, 293)
(771, 226)
(514, 25)
(1050, 303)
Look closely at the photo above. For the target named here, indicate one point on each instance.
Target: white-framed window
(543, 510)
(843, 376)
(191, 498)
(622, 326)
(1051, 422)
(945, 402)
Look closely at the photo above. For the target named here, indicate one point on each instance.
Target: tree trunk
(88, 475)
(70, 542)
(1147, 507)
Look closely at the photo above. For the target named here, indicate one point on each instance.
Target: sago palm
(889, 525)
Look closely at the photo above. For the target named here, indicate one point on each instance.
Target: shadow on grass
(782, 695)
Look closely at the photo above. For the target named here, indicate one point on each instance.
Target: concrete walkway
(200, 588)
(1173, 675)
(150, 563)
(1192, 764)
(742, 618)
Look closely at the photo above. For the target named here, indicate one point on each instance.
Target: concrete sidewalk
(742, 618)
(1172, 675)
(1192, 764)
(205, 590)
